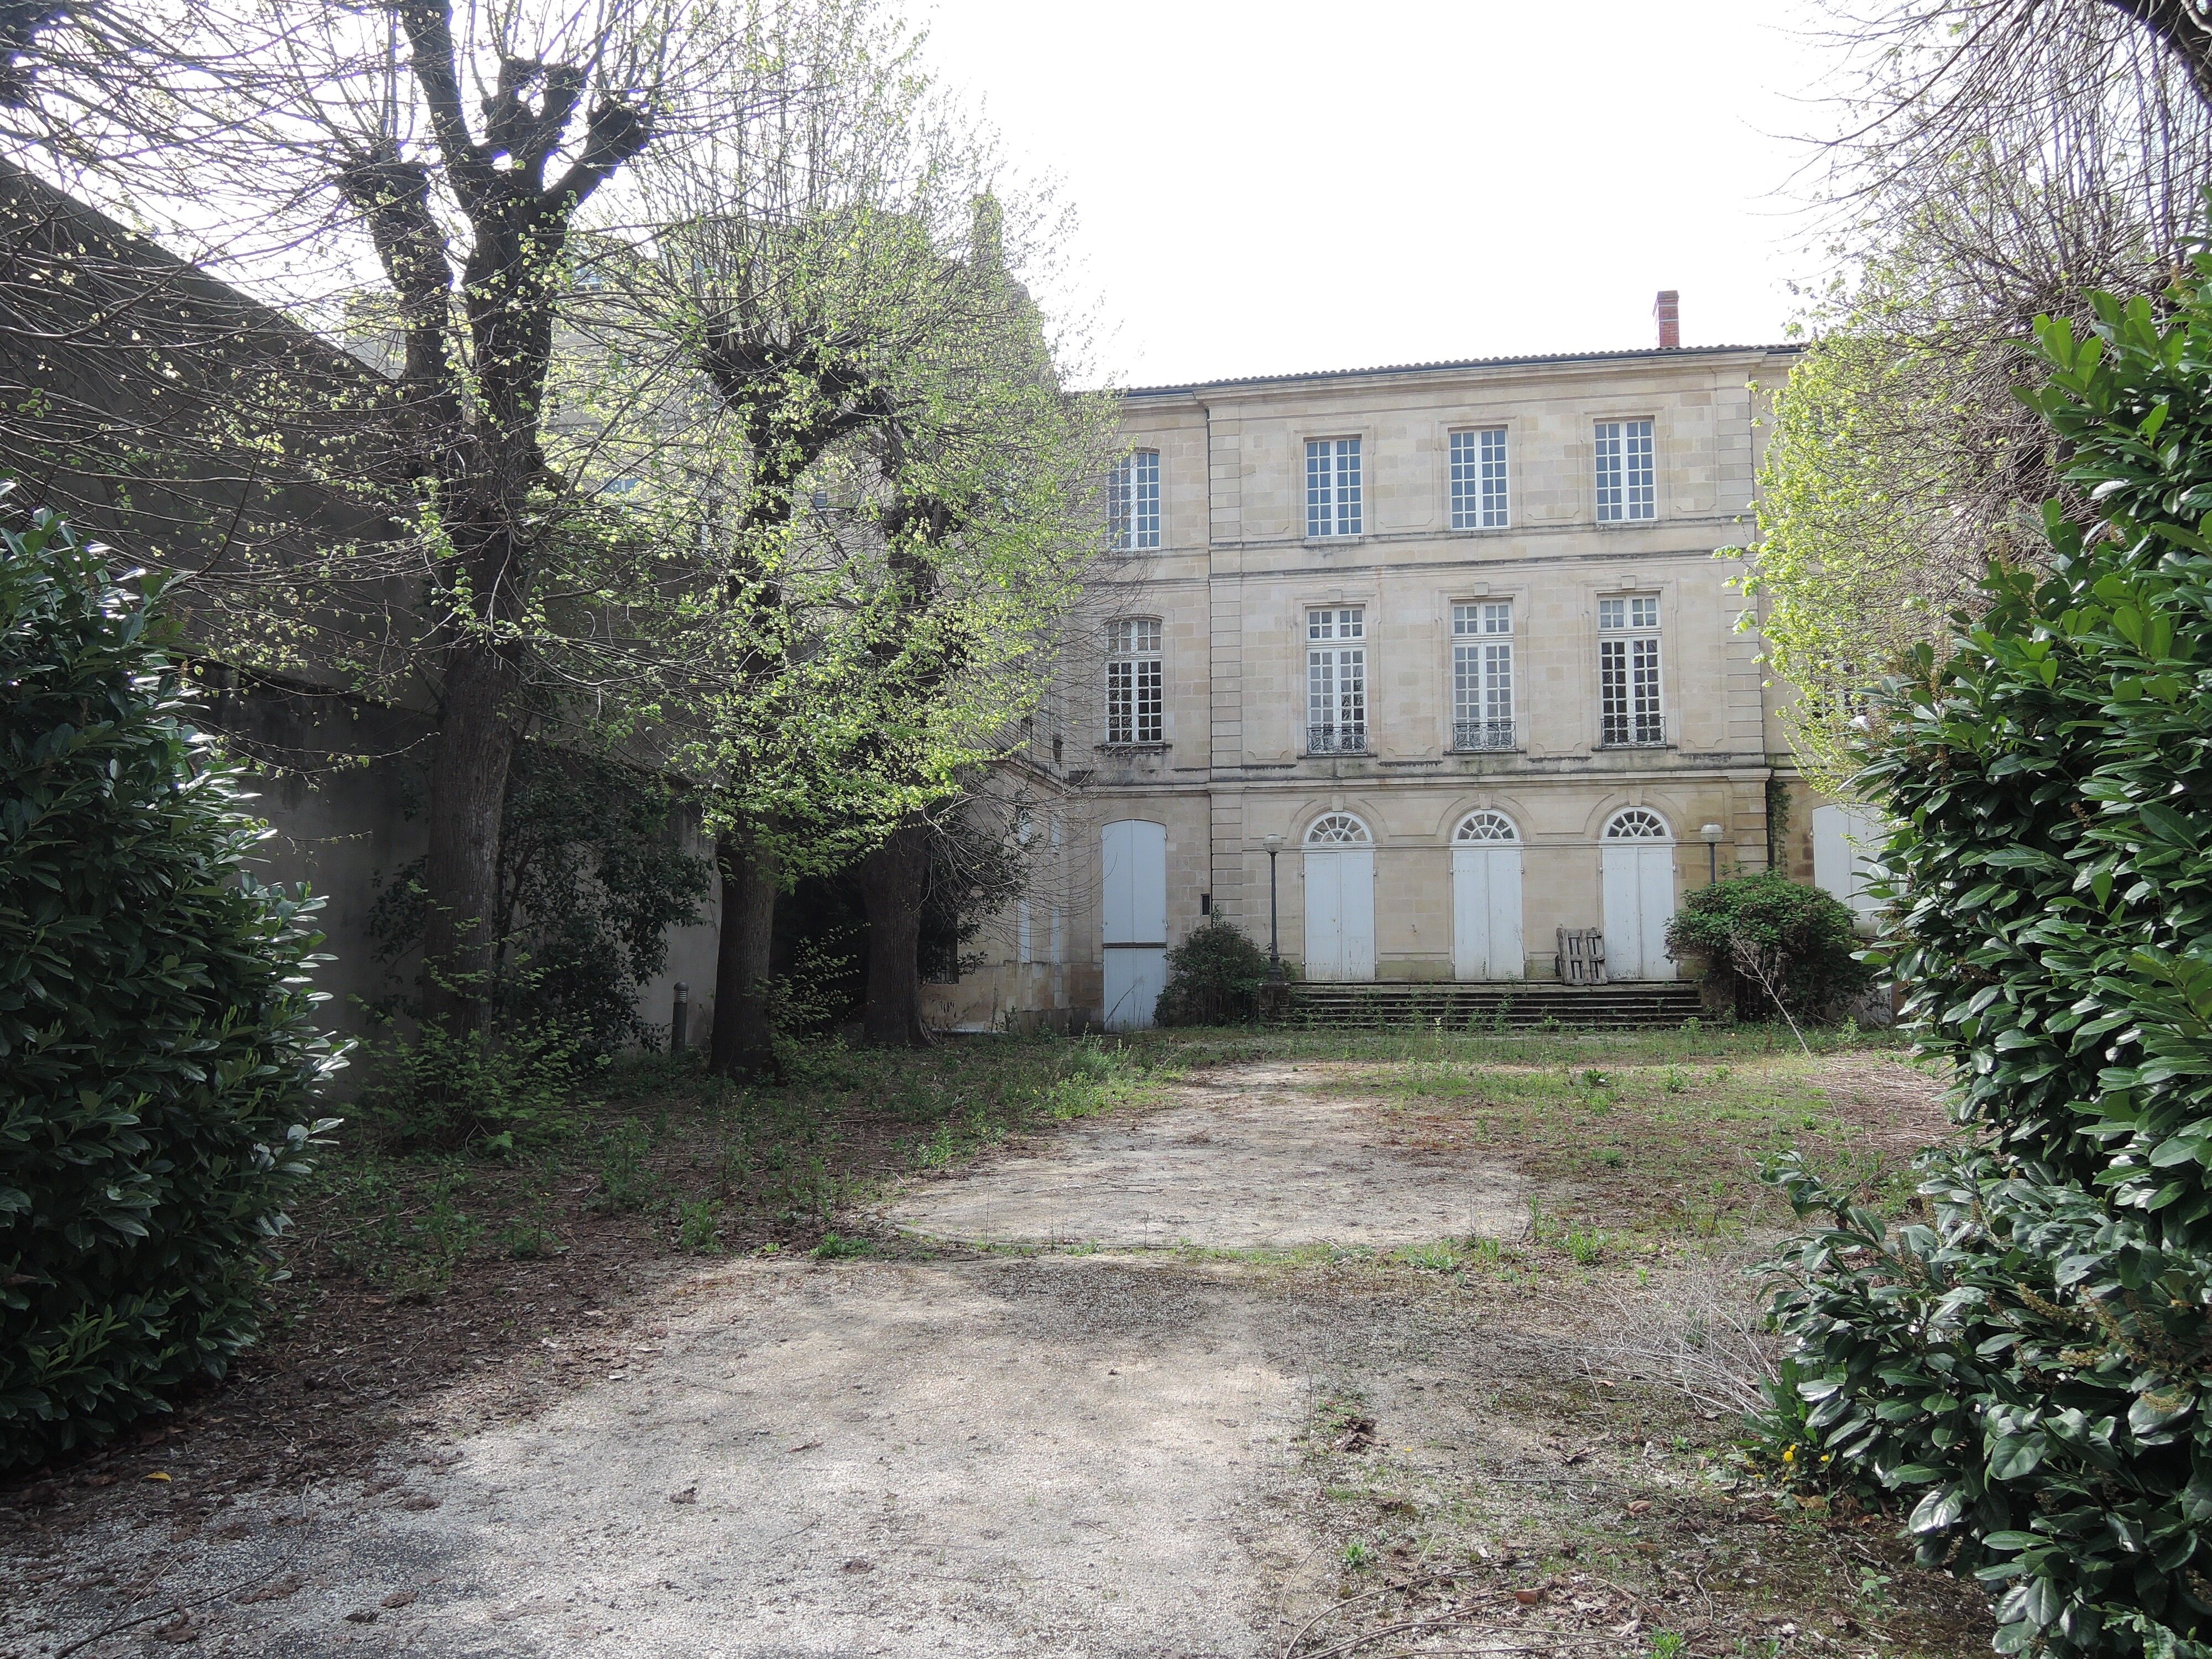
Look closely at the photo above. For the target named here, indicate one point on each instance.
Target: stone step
(1374, 1007)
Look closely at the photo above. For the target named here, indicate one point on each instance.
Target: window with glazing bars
(1133, 501)
(1628, 671)
(1478, 479)
(1482, 675)
(1333, 487)
(1626, 481)
(1336, 679)
(1133, 681)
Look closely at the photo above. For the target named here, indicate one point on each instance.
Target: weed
(1585, 1244)
(1611, 1157)
(835, 1248)
(1594, 1079)
(1669, 1644)
(625, 1184)
(1436, 1258)
(699, 1227)
(1675, 1081)
(1357, 1554)
(530, 1238)
(1487, 1252)
(1874, 1587)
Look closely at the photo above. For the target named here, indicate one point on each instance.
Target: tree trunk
(744, 1043)
(476, 738)
(890, 889)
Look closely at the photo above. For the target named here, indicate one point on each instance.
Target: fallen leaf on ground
(398, 1598)
(1358, 1435)
(689, 1495)
(179, 1629)
(1529, 1598)
(157, 1475)
(809, 1446)
(362, 1616)
(418, 1501)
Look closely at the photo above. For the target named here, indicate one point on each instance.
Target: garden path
(978, 1452)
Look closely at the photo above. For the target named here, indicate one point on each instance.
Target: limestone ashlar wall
(1235, 575)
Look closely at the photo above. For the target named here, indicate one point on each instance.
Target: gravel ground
(1098, 1450)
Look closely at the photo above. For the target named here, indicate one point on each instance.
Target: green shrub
(492, 1091)
(157, 1049)
(2027, 1368)
(1765, 935)
(1214, 978)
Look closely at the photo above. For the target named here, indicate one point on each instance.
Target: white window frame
(1334, 492)
(1135, 682)
(1336, 679)
(1133, 502)
(1482, 675)
(1481, 496)
(1631, 685)
(1627, 471)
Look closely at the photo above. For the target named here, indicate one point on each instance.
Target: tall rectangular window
(1133, 501)
(1482, 675)
(1133, 681)
(1627, 487)
(1628, 671)
(1332, 486)
(1336, 679)
(1478, 479)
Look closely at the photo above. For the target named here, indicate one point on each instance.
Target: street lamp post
(1712, 834)
(1274, 845)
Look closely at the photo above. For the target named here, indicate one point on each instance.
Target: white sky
(1266, 187)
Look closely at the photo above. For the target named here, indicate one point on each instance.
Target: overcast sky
(1269, 187)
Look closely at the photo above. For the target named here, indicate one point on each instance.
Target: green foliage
(2024, 1373)
(591, 878)
(1765, 930)
(491, 1092)
(158, 1052)
(1214, 977)
(2026, 1365)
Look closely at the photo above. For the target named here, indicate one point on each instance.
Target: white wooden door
(1340, 879)
(1845, 842)
(1486, 913)
(1134, 920)
(1639, 902)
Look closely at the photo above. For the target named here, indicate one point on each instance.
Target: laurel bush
(2028, 1364)
(159, 1057)
(1214, 977)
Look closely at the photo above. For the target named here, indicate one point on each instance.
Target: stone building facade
(1452, 640)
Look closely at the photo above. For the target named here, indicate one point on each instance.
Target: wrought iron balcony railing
(1336, 740)
(1633, 731)
(1482, 734)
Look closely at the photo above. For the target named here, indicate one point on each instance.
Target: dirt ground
(1245, 1159)
(1283, 1364)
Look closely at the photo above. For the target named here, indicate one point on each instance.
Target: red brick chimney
(1667, 312)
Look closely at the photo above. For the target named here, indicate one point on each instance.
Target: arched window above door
(1338, 829)
(1638, 823)
(1486, 827)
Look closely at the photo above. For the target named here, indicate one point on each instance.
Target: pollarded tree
(413, 174)
(879, 495)
(159, 1057)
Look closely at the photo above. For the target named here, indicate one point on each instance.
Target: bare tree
(421, 171)
(1996, 162)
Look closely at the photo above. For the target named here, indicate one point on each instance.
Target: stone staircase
(1460, 1005)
